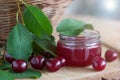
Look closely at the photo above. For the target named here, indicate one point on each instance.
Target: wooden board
(88, 73)
(110, 37)
(72, 73)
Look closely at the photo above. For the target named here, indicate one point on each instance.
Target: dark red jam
(79, 51)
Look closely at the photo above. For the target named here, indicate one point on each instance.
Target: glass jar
(79, 50)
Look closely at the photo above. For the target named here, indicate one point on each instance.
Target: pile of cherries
(37, 62)
(54, 64)
(99, 63)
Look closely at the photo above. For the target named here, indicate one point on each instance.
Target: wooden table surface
(110, 36)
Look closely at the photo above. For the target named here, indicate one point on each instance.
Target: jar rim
(85, 35)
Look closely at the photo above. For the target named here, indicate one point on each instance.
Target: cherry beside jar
(79, 50)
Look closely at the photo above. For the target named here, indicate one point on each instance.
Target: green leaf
(5, 65)
(27, 74)
(36, 21)
(37, 49)
(6, 75)
(46, 44)
(50, 38)
(19, 43)
(72, 27)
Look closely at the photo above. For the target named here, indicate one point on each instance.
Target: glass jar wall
(79, 50)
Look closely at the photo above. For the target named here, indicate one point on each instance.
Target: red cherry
(8, 58)
(37, 62)
(53, 64)
(111, 55)
(19, 66)
(98, 63)
(62, 60)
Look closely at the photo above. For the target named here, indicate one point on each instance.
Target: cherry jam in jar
(79, 50)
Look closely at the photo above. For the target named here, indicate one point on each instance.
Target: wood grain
(88, 73)
(76, 73)
(109, 30)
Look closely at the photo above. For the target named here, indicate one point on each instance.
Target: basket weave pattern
(7, 19)
(8, 8)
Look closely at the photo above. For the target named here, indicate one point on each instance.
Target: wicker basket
(8, 9)
(54, 9)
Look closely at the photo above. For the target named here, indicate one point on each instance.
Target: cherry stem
(23, 2)
(19, 12)
(17, 16)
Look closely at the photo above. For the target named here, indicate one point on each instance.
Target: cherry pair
(99, 63)
(17, 65)
(52, 64)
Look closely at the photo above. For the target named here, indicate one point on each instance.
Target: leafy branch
(20, 39)
(37, 29)
(34, 21)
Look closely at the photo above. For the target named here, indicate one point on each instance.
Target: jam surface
(78, 56)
